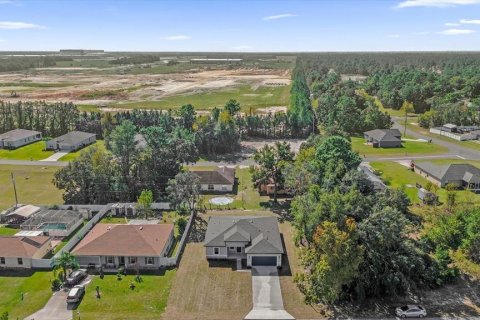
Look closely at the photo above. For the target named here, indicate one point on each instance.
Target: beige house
(18, 138)
(18, 252)
(221, 180)
(111, 246)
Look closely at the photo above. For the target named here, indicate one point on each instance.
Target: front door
(122, 261)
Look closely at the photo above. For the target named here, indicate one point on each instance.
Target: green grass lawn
(409, 148)
(33, 151)
(247, 96)
(34, 185)
(6, 231)
(147, 301)
(35, 287)
(396, 176)
(74, 155)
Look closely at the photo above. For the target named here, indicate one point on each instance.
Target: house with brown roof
(111, 246)
(220, 180)
(18, 252)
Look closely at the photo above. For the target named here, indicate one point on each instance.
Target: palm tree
(66, 261)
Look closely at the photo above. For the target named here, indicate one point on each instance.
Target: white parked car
(411, 311)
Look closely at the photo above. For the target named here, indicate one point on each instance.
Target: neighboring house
(460, 133)
(18, 138)
(256, 239)
(268, 188)
(384, 138)
(378, 184)
(111, 246)
(463, 175)
(220, 180)
(71, 141)
(16, 216)
(18, 252)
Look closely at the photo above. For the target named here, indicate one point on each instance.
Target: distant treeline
(443, 83)
(51, 119)
(24, 63)
(137, 59)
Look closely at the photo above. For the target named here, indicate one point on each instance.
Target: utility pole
(15, 190)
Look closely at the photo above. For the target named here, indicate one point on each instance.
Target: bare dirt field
(113, 90)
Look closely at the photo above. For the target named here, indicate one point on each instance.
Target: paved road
(33, 163)
(267, 295)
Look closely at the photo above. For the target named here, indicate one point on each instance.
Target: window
(20, 261)
(232, 248)
(210, 187)
(216, 250)
(239, 249)
(110, 260)
(132, 260)
(2, 260)
(149, 260)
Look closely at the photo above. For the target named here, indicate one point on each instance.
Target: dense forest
(8, 64)
(444, 86)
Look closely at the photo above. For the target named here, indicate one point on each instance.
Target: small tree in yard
(145, 201)
(406, 108)
(272, 161)
(181, 225)
(64, 262)
(184, 189)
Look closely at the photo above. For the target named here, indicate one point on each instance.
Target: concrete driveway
(56, 156)
(57, 308)
(267, 295)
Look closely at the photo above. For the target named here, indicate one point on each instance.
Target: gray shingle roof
(73, 138)
(451, 172)
(222, 175)
(263, 231)
(384, 134)
(17, 134)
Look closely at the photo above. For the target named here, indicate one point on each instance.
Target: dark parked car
(75, 294)
(76, 276)
(411, 311)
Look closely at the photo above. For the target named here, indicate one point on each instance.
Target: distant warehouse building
(71, 141)
(18, 138)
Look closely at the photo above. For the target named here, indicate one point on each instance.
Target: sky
(240, 25)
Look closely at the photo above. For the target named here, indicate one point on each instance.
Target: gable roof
(73, 137)
(222, 175)
(452, 172)
(263, 231)
(146, 240)
(386, 135)
(18, 134)
(21, 247)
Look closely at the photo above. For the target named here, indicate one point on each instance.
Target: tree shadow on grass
(198, 231)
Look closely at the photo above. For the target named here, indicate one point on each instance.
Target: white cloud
(242, 47)
(9, 25)
(394, 36)
(452, 24)
(456, 32)
(280, 16)
(466, 21)
(435, 3)
(177, 37)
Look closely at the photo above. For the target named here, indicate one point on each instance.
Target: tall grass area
(34, 185)
(248, 97)
(34, 286)
(74, 155)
